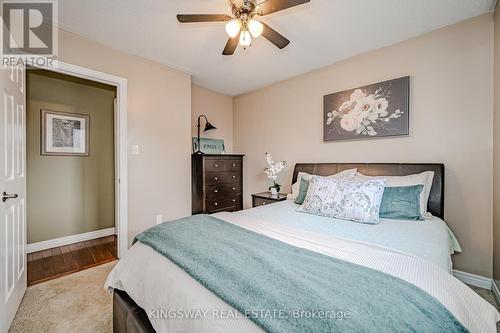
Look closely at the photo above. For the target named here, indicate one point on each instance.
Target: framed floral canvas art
(373, 111)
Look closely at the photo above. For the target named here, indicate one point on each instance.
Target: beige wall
(496, 201)
(451, 122)
(69, 195)
(219, 110)
(159, 121)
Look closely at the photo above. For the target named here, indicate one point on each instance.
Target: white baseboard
(495, 290)
(49, 244)
(473, 279)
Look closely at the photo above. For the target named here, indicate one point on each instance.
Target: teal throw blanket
(283, 288)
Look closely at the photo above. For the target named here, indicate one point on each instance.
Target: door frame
(121, 151)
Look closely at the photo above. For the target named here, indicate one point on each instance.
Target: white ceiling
(321, 33)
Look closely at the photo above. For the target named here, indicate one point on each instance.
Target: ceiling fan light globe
(233, 28)
(256, 28)
(245, 38)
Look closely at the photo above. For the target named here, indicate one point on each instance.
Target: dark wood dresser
(217, 183)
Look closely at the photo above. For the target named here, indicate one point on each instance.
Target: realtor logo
(29, 30)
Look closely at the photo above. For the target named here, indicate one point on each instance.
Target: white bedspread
(155, 283)
(430, 239)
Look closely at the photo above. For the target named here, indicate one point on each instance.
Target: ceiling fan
(242, 26)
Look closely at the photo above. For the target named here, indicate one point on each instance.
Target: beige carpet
(72, 303)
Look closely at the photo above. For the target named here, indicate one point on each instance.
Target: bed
(145, 282)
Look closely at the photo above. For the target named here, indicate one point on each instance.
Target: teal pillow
(401, 203)
(304, 185)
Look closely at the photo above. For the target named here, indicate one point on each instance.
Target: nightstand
(265, 198)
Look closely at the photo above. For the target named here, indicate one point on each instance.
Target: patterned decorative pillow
(345, 175)
(357, 201)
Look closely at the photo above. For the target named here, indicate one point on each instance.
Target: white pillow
(344, 175)
(357, 201)
(425, 178)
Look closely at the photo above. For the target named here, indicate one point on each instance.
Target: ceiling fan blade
(231, 45)
(274, 37)
(271, 6)
(194, 18)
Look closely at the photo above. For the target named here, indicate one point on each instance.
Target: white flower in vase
(272, 171)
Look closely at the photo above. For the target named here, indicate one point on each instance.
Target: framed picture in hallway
(373, 111)
(64, 134)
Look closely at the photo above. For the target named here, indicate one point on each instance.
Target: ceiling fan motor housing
(245, 10)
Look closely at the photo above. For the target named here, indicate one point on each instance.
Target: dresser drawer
(235, 200)
(227, 209)
(266, 198)
(222, 203)
(217, 178)
(233, 165)
(234, 176)
(214, 165)
(215, 190)
(261, 202)
(234, 188)
(223, 189)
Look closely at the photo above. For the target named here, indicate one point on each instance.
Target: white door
(12, 193)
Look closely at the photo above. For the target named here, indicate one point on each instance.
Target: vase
(274, 191)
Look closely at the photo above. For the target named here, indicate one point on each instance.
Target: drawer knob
(234, 200)
(234, 188)
(216, 191)
(216, 204)
(215, 178)
(234, 177)
(216, 165)
(263, 203)
(234, 165)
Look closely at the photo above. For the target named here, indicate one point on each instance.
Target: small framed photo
(209, 146)
(64, 134)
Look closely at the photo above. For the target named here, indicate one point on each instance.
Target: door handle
(6, 196)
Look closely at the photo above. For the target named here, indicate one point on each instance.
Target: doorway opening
(75, 167)
(70, 164)
(13, 180)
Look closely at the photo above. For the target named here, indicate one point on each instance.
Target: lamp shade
(233, 28)
(256, 28)
(245, 38)
(209, 127)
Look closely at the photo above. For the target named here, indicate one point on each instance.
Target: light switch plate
(159, 219)
(135, 150)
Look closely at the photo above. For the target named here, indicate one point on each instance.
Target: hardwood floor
(53, 263)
